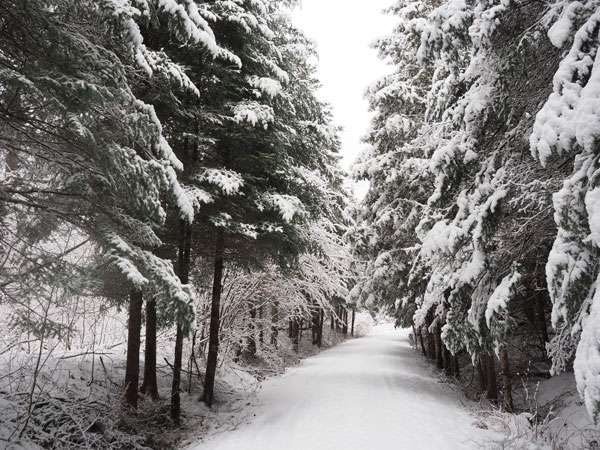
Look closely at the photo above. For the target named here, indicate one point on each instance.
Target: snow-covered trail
(371, 393)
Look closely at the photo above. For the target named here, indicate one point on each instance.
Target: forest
(177, 229)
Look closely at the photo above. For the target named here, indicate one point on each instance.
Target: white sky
(343, 31)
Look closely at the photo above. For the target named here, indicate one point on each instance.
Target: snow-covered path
(371, 393)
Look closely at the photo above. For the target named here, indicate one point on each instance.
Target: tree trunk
(507, 399)
(422, 343)
(261, 332)
(213, 345)
(183, 271)
(321, 321)
(481, 369)
(315, 323)
(492, 386)
(456, 367)
(274, 321)
(438, 348)
(543, 326)
(448, 363)
(175, 397)
(353, 318)
(296, 335)
(430, 345)
(150, 386)
(251, 339)
(134, 328)
(345, 321)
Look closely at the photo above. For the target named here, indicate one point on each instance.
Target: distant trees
(456, 234)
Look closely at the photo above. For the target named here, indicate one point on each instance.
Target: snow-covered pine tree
(84, 150)
(566, 131)
(258, 148)
(447, 194)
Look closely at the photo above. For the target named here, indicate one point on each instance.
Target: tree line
(480, 225)
(170, 158)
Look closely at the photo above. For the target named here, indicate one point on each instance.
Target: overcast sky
(343, 31)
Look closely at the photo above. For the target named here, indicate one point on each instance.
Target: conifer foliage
(153, 151)
(475, 231)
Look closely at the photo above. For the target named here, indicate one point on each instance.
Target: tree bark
(134, 328)
(175, 397)
(353, 318)
(321, 321)
(150, 385)
(543, 326)
(422, 343)
(481, 369)
(438, 348)
(274, 321)
(183, 271)
(456, 362)
(430, 345)
(261, 332)
(296, 335)
(213, 344)
(345, 321)
(507, 399)
(492, 386)
(251, 339)
(315, 323)
(448, 363)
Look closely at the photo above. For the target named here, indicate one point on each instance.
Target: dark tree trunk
(321, 321)
(150, 386)
(261, 333)
(332, 322)
(438, 348)
(251, 339)
(296, 335)
(448, 363)
(431, 345)
(541, 319)
(315, 323)
(183, 271)
(353, 318)
(345, 321)
(422, 343)
(134, 328)
(492, 386)
(414, 330)
(481, 370)
(213, 345)
(507, 399)
(456, 366)
(274, 321)
(175, 397)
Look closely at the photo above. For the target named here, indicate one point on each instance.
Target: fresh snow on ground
(368, 393)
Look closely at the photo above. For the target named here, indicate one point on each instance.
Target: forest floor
(368, 393)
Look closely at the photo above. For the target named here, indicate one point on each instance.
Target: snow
(254, 114)
(288, 206)
(368, 393)
(561, 31)
(228, 181)
(501, 296)
(587, 360)
(265, 85)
